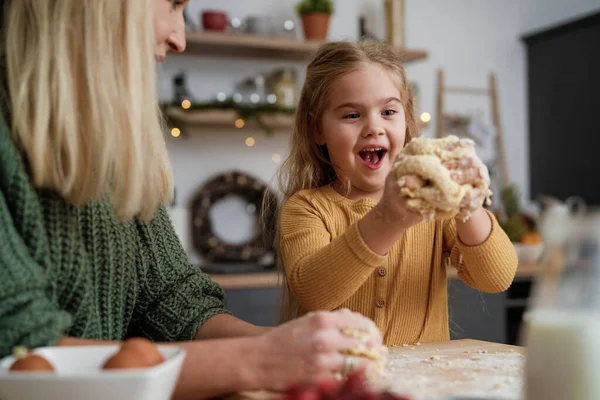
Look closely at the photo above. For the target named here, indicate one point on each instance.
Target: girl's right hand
(392, 205)
(308, 349)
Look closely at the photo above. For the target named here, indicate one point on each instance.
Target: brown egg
(30, 362)
(126, 359)
(146, 348)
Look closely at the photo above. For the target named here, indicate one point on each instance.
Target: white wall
(467, 38)
(541, 14)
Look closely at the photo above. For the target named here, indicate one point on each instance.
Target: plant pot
(316, 26)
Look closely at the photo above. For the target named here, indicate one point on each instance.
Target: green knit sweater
(67, 271)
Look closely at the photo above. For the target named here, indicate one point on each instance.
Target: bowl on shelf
(529, 253)
(78, 374)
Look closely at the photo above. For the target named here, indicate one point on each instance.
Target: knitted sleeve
(27, 316)
(490, 266)
(322, 273)
(176, 298)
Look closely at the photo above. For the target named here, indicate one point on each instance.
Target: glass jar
(285, 87)
(561, 329)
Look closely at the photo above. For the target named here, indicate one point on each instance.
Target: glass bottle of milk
(562, 325)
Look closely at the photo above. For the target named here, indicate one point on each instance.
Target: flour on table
(493, 375)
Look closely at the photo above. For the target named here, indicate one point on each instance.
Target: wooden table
(455, 368)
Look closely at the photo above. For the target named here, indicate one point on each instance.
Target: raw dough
(441, 197)
(379, 355)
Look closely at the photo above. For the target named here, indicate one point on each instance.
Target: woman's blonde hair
(308, 165)
(84, 105)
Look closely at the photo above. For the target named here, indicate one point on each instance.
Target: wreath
(255, 193)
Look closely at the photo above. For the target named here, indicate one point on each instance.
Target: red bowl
(214, 20)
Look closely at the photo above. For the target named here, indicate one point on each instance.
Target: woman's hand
(308, 349)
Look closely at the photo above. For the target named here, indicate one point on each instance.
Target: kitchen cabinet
(259, 306)
(476, 315)
(472, 314)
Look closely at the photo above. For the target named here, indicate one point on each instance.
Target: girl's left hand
(469, 171)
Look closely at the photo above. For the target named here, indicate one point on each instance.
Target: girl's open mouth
(372, 157)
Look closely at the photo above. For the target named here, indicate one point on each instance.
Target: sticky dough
(441, 197)
(378, 355)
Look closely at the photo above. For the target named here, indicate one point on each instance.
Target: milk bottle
(561, 329)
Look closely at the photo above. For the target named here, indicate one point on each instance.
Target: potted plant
(315, 16)
(520, 228)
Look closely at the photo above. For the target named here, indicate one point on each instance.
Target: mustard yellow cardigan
(329, 266)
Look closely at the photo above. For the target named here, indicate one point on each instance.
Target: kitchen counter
(274, 279)
(455, 368)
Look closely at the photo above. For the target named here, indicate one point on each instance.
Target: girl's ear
(318, 136)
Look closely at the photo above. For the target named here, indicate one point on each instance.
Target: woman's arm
(176, 299)
(227, 326)
(28, 317)
(306, 350)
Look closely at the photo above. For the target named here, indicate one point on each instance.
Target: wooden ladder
(492, 92)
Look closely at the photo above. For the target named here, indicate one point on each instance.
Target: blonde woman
(87, 252)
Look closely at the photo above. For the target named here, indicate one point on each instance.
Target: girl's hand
(469, 171)
(392, 206)
(308, 349)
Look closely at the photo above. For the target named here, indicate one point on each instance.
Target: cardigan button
(380, 303)
(382, 271)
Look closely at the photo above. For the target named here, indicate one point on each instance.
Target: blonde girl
(345, 236)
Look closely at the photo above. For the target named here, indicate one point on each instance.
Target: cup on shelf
(258, 25)
(214, 20)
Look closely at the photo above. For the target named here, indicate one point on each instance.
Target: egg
(126, 359)
(30, 362)
(146, 348)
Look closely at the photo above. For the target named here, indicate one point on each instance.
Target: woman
(87, 252)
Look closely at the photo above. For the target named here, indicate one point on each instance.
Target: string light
(276, 158)
(425, 117)
(250, 141)
(239, 123)
(175, 132)
(186, 104)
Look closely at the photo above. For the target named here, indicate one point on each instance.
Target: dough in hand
(441, 197)
(378, 355)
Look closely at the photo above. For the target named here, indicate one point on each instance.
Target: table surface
(454, 368)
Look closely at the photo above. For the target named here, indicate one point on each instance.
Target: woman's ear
(318, 136)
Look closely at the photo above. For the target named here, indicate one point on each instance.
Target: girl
(87, 252)
(345, 236)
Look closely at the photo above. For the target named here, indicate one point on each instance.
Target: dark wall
(563, 65)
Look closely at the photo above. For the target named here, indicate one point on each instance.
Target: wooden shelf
(249, 46)
(226, 119)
